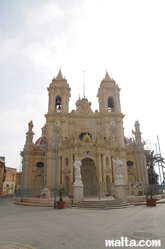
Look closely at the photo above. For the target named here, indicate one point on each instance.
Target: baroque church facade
(96, 138)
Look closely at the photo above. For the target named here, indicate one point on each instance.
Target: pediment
(83, 107)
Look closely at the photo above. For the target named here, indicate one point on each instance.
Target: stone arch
(58, 103)
(111, 105)
(89, 179)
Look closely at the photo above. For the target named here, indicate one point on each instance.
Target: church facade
(96, 138)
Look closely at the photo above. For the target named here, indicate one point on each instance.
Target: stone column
(104, 168)
(50, 171)
(71, 175)
(62, 168)
(99, 168)
(71, 168)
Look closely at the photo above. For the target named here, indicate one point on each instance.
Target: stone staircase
(102, 204)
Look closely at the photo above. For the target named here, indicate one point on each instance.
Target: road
(47, 228)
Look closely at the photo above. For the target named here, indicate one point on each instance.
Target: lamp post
(23, 173)
(56, 165)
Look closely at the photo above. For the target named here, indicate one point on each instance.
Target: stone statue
(113, 136)
(30, 124)
(118, 164)
(77, 164)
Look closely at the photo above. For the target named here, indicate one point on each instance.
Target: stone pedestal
(120, 191)
(78, 181)
(78, 194)
(46, 191)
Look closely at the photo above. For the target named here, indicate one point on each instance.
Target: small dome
(41, 141)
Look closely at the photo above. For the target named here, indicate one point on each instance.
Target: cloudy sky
(38, 37)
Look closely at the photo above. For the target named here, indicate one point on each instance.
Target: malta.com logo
(125, 242)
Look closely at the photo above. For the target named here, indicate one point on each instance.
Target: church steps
(110, 204)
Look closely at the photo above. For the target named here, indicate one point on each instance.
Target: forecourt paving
(28, 227)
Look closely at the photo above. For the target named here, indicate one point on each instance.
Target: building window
(85, 134)
(39, 164)
(110, 104)
(58, 105)
(129, 163)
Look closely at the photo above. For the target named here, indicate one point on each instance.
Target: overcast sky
(38, 37)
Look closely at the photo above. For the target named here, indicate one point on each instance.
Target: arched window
(58, 104)
(110, 104)
(84, 134)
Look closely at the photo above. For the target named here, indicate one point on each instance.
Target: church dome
(41, 141)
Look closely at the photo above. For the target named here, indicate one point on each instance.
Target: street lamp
(56, 165)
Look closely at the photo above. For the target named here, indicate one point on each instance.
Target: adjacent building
(2, 173)
(10, 181)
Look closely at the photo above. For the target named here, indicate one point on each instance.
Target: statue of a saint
(30, 124)
(77, 164)
(118, 164)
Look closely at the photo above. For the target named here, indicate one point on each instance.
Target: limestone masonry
(96, 138)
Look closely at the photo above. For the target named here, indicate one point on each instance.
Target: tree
(152, 159)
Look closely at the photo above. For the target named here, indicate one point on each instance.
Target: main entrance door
(88, 172)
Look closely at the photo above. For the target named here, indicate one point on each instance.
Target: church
(96, 138)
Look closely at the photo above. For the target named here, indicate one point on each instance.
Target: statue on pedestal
(118, 164)
(77, 164)
(30, 124)
(119, 177)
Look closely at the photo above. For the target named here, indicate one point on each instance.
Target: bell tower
(110, 111)
(59, 93)
(108, 95)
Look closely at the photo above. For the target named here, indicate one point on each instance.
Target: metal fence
(32, 192)
(155, 188)
(89, 190)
